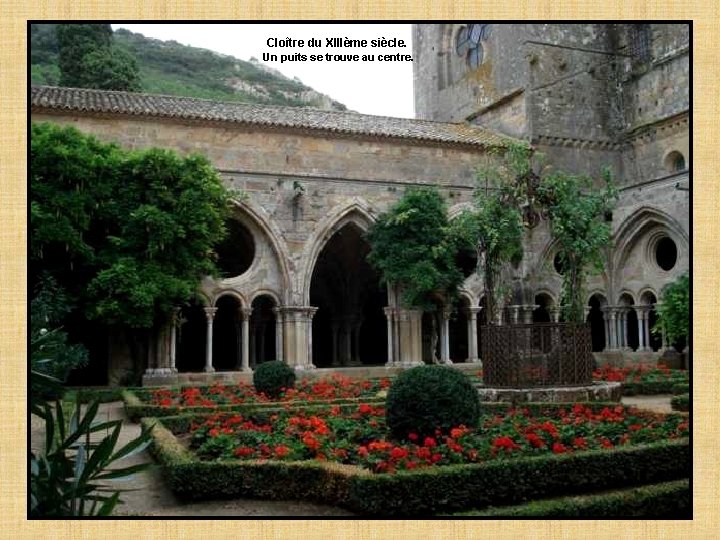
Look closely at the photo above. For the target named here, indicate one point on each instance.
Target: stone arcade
(297, 286)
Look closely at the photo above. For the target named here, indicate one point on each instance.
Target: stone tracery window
(468, 43)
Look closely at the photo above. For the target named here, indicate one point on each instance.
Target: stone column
(554, 312)
(175, 321)
(356, 343)
(416, 327)
(445, 336)
(515, 314)
(611, 337)
(473, 356)
(245, 313)
(209, 315)
(389, 315)
(409, 336)
(279, 341)
(642, 340)
(347, 341)
(646, 324)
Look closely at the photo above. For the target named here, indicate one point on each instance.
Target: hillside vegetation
(167, 67)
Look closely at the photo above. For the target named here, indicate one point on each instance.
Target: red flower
(244, 451)
(435, 458)
(214, 432)
(558, 448)
(423, 453)
(398, 453)
(413, 437)
(165, 402)
(281, 451)
(505, 443)
(363, 451)
(579, 442)
(365, 409)
(535, 440)
(429, 442)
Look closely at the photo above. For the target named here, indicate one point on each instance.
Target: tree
(88, 58)
(578, 222)
(494, 227)
(412, 246)
(127, 235)
(674, 310)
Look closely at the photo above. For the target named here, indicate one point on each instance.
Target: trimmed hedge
(136, 409)
(450, 488)
(101, 394)
(273, 378)
(681, 388)
(671, 500)
(426, 398)
(681, 403)
(650, 388)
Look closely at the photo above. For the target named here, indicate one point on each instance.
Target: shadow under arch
(356, 212)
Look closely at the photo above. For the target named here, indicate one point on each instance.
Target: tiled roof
(53, 98)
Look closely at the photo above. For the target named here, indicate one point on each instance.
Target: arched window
(468, 43)
(675, 162)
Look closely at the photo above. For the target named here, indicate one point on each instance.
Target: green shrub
(681, 402)
(273, 378)
(426, 398)
(681, 388)
(668, 500)
(422, 492)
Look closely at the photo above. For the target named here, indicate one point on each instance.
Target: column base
(245, 370)
(209, 369)
(306, 367)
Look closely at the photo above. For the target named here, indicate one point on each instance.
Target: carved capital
(210, 313)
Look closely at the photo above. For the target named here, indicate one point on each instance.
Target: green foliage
(494, 227)
(88, 58)
(126, 234)
(674, 310)
(426, 491)
(667, 500)
(426, 398)
(412, 245)
(273, 378)
(70, 476)
(49, 351)
(167, 67)
(680, 402)
(577, 212)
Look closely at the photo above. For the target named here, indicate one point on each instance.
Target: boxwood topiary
(426, 398)
(272, 378)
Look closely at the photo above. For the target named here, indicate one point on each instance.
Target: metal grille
(538, 354)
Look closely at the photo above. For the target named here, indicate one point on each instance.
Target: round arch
(217, 295)
(265, 292)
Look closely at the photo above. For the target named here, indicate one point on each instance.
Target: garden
(402, 446)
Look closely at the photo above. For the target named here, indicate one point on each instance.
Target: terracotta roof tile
(127, 103)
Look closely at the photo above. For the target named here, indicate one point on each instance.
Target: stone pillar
(175, 321)
(335, 360)
(623, 328)
(641, 334)
(646, 324)
(611, 328)
(279, 341)
(473, 356)
(390, 341)
(347, 341)
(554, 312)
(514, 314)
(209, 315)
(298, 335)
(245, 313)
(409, 337)
(445, 337)
(356, 343)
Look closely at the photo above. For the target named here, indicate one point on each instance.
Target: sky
(370, 87)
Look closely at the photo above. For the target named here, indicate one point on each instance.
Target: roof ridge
(179, 107)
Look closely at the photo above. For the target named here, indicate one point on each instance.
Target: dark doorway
(349, 327)
(459, 346)
(262, 330)
(191, 336)
(597, 322)
(227, 334)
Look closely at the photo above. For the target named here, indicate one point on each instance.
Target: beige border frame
(706, 199)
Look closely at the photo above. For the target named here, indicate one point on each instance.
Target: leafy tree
(88, 58)
(412, 246)
(50, 353)
(126, 234)
(674, 310)
(577, 212)
(494, 227)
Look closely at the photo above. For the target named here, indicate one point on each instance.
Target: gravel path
(151, 496)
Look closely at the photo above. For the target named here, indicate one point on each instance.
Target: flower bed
(339, 455)
(335, 389)
(643, 378)
(357, 436)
